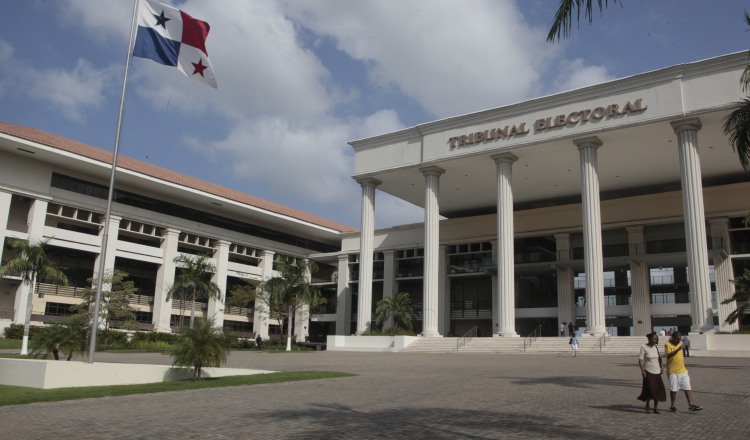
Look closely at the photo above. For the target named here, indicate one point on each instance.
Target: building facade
(618, 207)
(56, 189)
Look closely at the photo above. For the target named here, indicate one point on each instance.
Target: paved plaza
(408, 396)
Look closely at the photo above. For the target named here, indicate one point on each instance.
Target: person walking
(677, 373)
(562, 329)
(686, 343)
(258, 343)
(649, 361)
(573, 344)
(571, 329)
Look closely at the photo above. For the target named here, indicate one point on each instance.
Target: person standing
(676, 371)
(649, 360)
(571, 329)
(573, 344)
(562, 329)
(686, 343)
(258, 343)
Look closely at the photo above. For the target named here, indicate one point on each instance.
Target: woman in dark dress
(649, 361)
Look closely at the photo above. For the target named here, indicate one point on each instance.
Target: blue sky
(299, 79)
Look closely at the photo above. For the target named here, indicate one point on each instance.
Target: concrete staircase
(616, 345)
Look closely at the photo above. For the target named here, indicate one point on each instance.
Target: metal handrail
(532, 337)
(466, 337)
(602, 340)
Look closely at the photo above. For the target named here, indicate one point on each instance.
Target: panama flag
(169, 36)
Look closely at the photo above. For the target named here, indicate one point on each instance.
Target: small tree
(243, 295)
(201, 346)
(194, 281)
(68, 338)
(115, 301)
(31, 264)
(397, 306)
(741, 296)
(290, 292)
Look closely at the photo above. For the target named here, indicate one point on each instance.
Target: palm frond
(563, 21)
(737, 129)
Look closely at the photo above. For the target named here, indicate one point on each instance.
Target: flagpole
(105, 235)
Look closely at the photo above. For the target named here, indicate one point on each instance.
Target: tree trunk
(289, 330)
(192, 311)
(27, 321)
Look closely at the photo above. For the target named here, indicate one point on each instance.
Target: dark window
(131, 199)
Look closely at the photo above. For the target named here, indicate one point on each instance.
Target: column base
(510, 334)
(431, 334)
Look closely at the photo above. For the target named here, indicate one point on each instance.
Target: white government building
(618, 206)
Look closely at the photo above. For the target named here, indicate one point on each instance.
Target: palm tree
(200, 346)
(194, 281)
(31, 264)
(396, 306)
(741, 296)
(69, 338)
(290, 291)
(736, 124)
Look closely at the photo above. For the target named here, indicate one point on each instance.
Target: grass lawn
(10, 343)
(10, 395)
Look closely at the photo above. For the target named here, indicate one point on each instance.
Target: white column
(640, 282)
(724, 272)
(215, 308)
(114, 230)
(566, 307)
(302, 315)
(36, 218)
(343, 298)
(431, 291)
(505, 256)
(164, 279)
(5, 199)
(366, 234)
(592, 235)
(260, 314)
(389, 279)
(702, 312)
(495, 296)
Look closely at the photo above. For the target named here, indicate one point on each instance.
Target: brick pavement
(408, 396)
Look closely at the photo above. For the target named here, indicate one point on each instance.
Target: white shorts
(679, 381)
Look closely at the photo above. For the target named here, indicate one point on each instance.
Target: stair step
(624, 345)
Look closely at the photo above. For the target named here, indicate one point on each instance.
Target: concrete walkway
(408, 396)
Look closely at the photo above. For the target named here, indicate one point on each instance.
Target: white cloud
(71, 92)
(574, 74)
(450, 58)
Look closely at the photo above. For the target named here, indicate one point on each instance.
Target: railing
(532, 337)
(603, 339)
(466, 337)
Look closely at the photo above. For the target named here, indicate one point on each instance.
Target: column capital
(635, 229)
(718, 221)
(504, 157)
(588, 142)
(368, 181)
(686, 124)
(344, 258)
(431, 170)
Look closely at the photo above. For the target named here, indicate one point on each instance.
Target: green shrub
(15, 331)
(168, 338)
(112, 338)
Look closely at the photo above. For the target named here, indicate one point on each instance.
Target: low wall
(36, 373)
(722, 345)
(368, 343)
